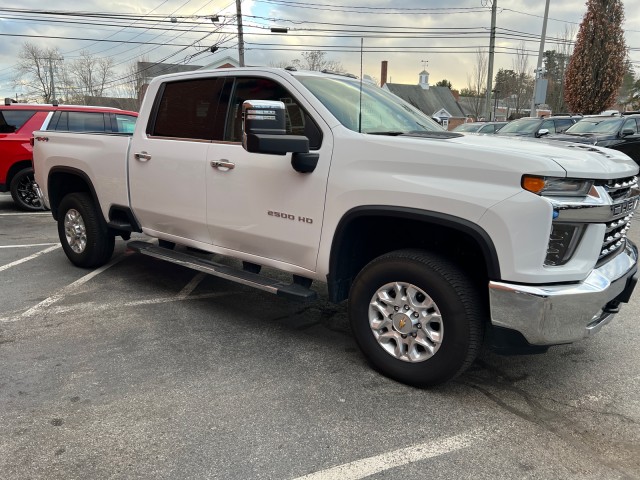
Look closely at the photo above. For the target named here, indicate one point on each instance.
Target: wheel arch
(359, 239)
(65, 180)
(15, 168)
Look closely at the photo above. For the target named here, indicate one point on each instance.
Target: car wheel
(417, 317)
(22, 191)
(85, 238)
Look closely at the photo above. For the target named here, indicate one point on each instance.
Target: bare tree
(91, 74)
(477, 84)
(315, 60)
(38, 70)
(524, 81)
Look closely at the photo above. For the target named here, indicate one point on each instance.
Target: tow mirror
(264, 131)
(542, 132)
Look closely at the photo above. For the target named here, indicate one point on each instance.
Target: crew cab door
(168, 159)
(258, 204)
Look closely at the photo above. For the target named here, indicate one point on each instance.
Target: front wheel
(22, 191)
(417, 317)
(85, 238)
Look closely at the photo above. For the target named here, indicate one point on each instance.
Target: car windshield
(524, 125)
(467, 127)
(596, 125)
(382, 111)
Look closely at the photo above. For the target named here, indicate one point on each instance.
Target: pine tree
(596, 68)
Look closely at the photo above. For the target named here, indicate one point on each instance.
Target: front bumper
(556, 314)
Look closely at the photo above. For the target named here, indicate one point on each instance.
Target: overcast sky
(406, 34)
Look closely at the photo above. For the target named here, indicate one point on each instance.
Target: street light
(495, 103)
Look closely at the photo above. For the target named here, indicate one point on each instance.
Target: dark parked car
(620, 133)
(480, 127)
(537, 126)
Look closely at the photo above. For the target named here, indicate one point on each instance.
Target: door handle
(142, 156)
(223, 164)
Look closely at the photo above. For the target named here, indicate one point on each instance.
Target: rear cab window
(191, 109)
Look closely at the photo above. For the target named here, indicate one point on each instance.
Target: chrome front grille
(620, 188)
(624, 194)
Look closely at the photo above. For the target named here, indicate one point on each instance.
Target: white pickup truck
(439, 241)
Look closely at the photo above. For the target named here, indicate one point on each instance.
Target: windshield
(596, 125)
(467, 127)
(382, 111)
(524, 125)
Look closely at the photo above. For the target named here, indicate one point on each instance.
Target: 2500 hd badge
(289, 216)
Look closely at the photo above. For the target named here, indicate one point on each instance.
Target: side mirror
(628, 131)
(264, 131)
(542, 132)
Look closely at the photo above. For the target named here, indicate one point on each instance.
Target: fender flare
(474, 231)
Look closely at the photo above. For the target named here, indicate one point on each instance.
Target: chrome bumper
(555, 314)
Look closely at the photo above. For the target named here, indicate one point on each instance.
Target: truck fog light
(563, 241)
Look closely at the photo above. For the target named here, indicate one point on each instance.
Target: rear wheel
(417, 317)
(22, 191)
(85, 238)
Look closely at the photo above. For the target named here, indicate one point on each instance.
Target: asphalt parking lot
(143, 369)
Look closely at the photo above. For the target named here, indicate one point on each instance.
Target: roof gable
(428, 101)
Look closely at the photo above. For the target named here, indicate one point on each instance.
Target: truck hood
(590, 138)
(578, 160)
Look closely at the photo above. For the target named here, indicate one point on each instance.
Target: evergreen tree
(597, 66)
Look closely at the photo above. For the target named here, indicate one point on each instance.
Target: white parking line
(191, 286)
(28, 245)
(30, 257)
(25, 213)
(379, 463)
(60, 294)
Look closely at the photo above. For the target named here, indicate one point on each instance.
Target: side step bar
(292, 291)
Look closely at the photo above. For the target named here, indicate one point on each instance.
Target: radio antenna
(360, 108)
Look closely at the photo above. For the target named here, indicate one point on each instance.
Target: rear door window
(78, 122)
(192, 109)
(12, 120)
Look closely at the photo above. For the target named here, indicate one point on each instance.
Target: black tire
(22, 191)
(91, 244)
(459, 310)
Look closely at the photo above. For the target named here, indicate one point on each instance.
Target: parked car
(620, 133)
(480, 127)
(537, 126)
(19, 120)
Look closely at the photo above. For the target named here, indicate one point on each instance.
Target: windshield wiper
(390, 133)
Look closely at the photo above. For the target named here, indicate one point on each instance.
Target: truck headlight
(556, 186)
(563, 241)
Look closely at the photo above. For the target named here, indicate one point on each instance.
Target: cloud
(405, 34)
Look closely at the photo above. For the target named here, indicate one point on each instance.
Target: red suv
(19, 120)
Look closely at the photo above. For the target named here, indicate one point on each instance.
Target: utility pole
(240, 38)
(52, 88)
(492, 51)
(540, 53)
